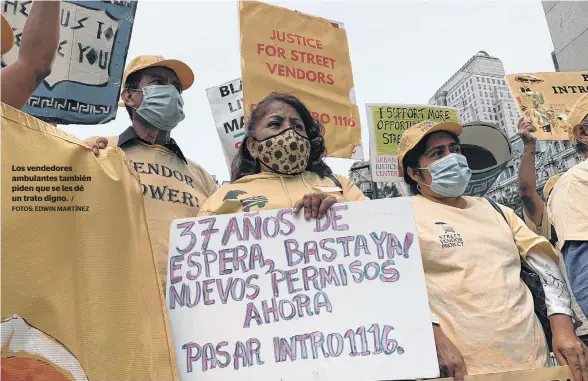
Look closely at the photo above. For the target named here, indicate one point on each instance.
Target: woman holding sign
(280, 165)
(472, 250)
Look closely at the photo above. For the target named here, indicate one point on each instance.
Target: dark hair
(132, 82)
(580, 146)
(411, 160)
(244, 164)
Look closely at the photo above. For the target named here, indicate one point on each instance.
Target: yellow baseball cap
(183, 71)
(412, 136)
(576, 115)
(7, 36)
(550, 184)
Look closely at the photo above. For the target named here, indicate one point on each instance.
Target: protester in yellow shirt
(535, 211)
(173, 186)
(568, 208)
(484, 320)
(280, 165)
(38, 45)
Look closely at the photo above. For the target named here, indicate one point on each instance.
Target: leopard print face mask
(285, 153)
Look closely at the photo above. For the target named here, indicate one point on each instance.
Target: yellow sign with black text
(288, 51)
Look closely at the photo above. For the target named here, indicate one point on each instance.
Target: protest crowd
(486, 315)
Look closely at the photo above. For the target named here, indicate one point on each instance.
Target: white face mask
(162, 107)
(450, 175)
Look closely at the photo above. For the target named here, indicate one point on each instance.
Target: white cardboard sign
(270, 296)
(226, 103)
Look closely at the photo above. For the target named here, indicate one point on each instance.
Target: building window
(508, 105)
(483, 79)
(494, 109)
(479, 86)
(493, 81)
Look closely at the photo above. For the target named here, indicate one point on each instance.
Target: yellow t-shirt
(471, 259)
(273, 191)
(545, 231)
(172, 189)
(567, 205)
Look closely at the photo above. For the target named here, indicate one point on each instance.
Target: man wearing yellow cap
(568, 207)
(535, 211)
(471, 251)
(173, 186)
(38, 45)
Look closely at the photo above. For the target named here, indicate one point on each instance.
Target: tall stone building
(568, 26)
(480, 93)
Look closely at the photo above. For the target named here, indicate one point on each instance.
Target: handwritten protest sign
(386, 123)
(284, 50)
(270, 296)
(84, 84)
(226, 103)
(560, 373)
(547, 98)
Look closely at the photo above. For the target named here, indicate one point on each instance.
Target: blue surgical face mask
(162, 107)
(450, 175)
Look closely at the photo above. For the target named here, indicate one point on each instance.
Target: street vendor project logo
(247, 203)
(449, 238)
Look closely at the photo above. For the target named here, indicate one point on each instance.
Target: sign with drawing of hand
(546, 99)
(270, 296)
(84, 84)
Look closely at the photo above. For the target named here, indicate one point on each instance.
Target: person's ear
(252, 147)
(581, 133)
(414, 174)
(126, 97)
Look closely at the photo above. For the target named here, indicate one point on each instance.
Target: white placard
(270, 296)
(226, 103)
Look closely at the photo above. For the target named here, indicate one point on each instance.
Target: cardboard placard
(288, 51)
(271, 296)
(84, 84)
(547, 98)
(386, 123)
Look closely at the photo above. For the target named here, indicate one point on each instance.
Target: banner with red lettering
(288, 51)
(271, 296)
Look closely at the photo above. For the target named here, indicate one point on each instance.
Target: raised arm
(532, 202)
(40, 37)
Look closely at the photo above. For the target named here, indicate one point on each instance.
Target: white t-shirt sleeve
(557, 296)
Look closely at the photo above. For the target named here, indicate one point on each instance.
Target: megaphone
(488, 151)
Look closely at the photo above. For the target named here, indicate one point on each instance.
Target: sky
(401, 52)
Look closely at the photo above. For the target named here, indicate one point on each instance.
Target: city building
(568, 26)
(480, 93)
(552, 157)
